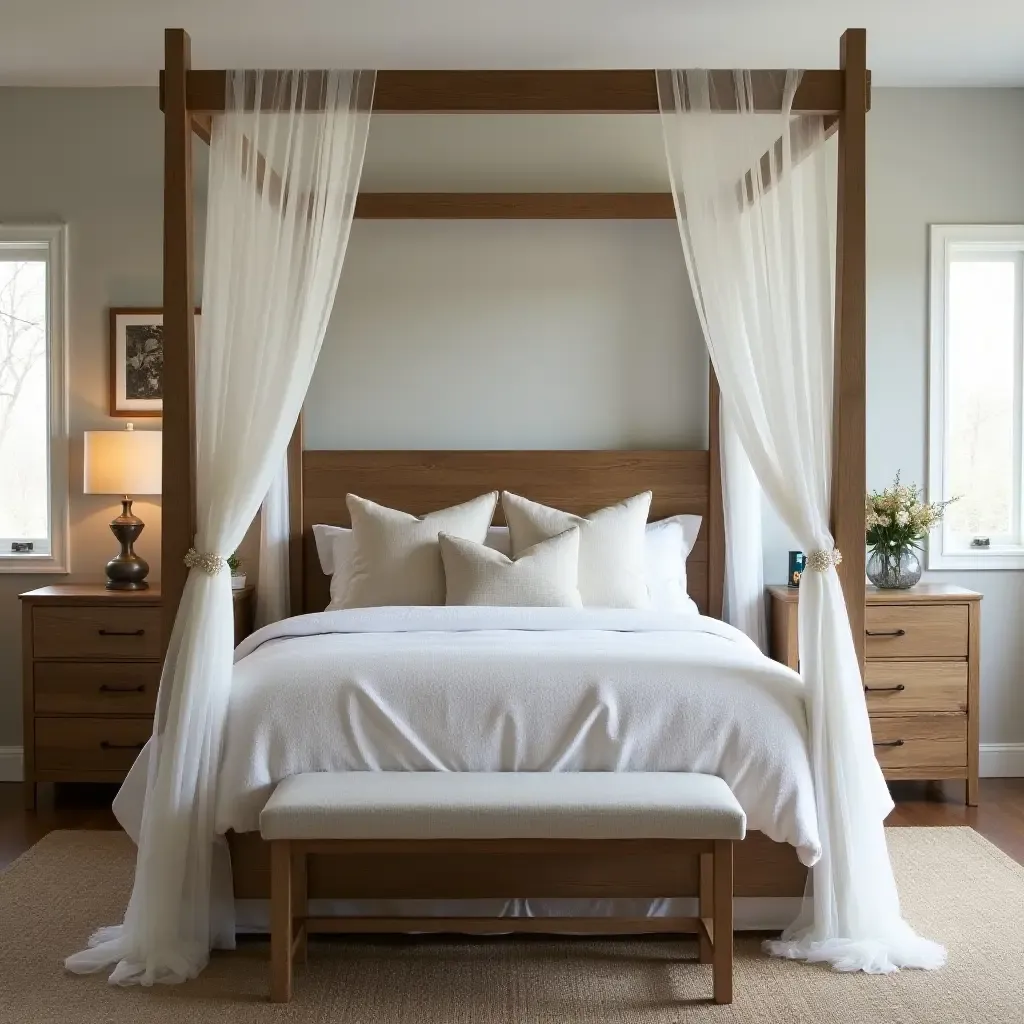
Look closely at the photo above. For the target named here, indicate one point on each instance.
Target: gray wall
(511, 334)
(92, 158)
(939, 156)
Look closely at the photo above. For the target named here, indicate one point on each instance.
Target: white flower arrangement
(899, 518)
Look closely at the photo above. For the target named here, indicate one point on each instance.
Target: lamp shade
(123, 461)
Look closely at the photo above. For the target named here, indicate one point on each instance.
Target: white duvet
(516, 689)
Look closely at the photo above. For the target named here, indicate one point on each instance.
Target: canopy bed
(286, 151)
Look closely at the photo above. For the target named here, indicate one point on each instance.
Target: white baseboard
(1001, 761)
(11, 766)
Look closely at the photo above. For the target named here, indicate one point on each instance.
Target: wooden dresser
(91, 661)
(922, 650)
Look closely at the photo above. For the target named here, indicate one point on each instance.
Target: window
(976, 382)
(33, 415)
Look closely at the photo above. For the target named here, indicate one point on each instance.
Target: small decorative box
(797, 561)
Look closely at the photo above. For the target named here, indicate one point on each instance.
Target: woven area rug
(956, 888)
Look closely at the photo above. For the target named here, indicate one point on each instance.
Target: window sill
(27, 565)
(975, 561)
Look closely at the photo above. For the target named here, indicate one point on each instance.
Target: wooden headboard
(576, 481)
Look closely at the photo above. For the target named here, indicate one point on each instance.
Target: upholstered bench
(648, 825)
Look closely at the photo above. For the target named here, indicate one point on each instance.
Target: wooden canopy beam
(515, 206)
(849, 469)
(595, 92)
(202, 125)
(773, 157)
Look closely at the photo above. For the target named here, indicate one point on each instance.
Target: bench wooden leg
(300, 906)
(706, 903)
(722, 917)
(280, 921)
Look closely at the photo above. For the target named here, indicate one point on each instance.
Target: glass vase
(894, 570)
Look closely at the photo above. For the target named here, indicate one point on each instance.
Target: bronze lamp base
(127, 571)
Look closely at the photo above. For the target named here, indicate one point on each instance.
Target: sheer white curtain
(273, 598)
(744, 548)
(282, 190)
(756, 236)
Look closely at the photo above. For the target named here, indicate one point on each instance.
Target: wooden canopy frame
(191, 97)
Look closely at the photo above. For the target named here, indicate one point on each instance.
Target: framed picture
(137, 361)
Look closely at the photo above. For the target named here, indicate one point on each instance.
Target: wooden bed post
(716, 507)
(296, 554)
(178, 525)
(849, 471)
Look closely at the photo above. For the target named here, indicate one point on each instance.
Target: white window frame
(55, 236)
(944, 238)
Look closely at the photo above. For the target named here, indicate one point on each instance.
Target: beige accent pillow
(543, 576)
(396, 558)
(612, 546)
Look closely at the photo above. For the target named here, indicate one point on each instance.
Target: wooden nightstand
(91, 662)
(923, 651)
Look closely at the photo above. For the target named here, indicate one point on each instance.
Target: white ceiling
(120, 42)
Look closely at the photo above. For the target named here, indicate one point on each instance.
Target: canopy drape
(273, 586)
(753, 201)
(281, 197)
(743, 593)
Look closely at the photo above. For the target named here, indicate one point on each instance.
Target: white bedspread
(510, 689)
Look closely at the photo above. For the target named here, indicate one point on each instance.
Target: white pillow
(668, 544)
(499, 540)
(326, 537)
(396, 557)
(611, 563)
(543, 576)
(334, 549)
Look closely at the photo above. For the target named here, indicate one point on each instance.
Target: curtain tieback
(209, 562)
(822, 561)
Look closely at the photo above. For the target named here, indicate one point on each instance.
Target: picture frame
(136, 360)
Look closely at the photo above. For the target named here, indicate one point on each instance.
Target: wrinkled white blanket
(515, 689)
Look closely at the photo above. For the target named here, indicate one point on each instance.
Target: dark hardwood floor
(999, 816)
(59, 807)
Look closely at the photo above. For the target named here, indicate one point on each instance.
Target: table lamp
(124, 462)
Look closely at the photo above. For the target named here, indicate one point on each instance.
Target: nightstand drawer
(898, 687)
(96, 688)
(920, 741)
(915, 631)
(90, 744)
(95, 631)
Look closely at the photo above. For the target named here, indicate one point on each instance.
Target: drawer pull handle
(885, 632)
(107, 745)
(141, 688)
(889, 743)
(121, 632)
(898, 688)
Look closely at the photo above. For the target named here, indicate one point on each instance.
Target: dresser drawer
(915, 631)
(920, 741)
(895, 687)
(96, 631)
(90, 744)
(96, 688)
